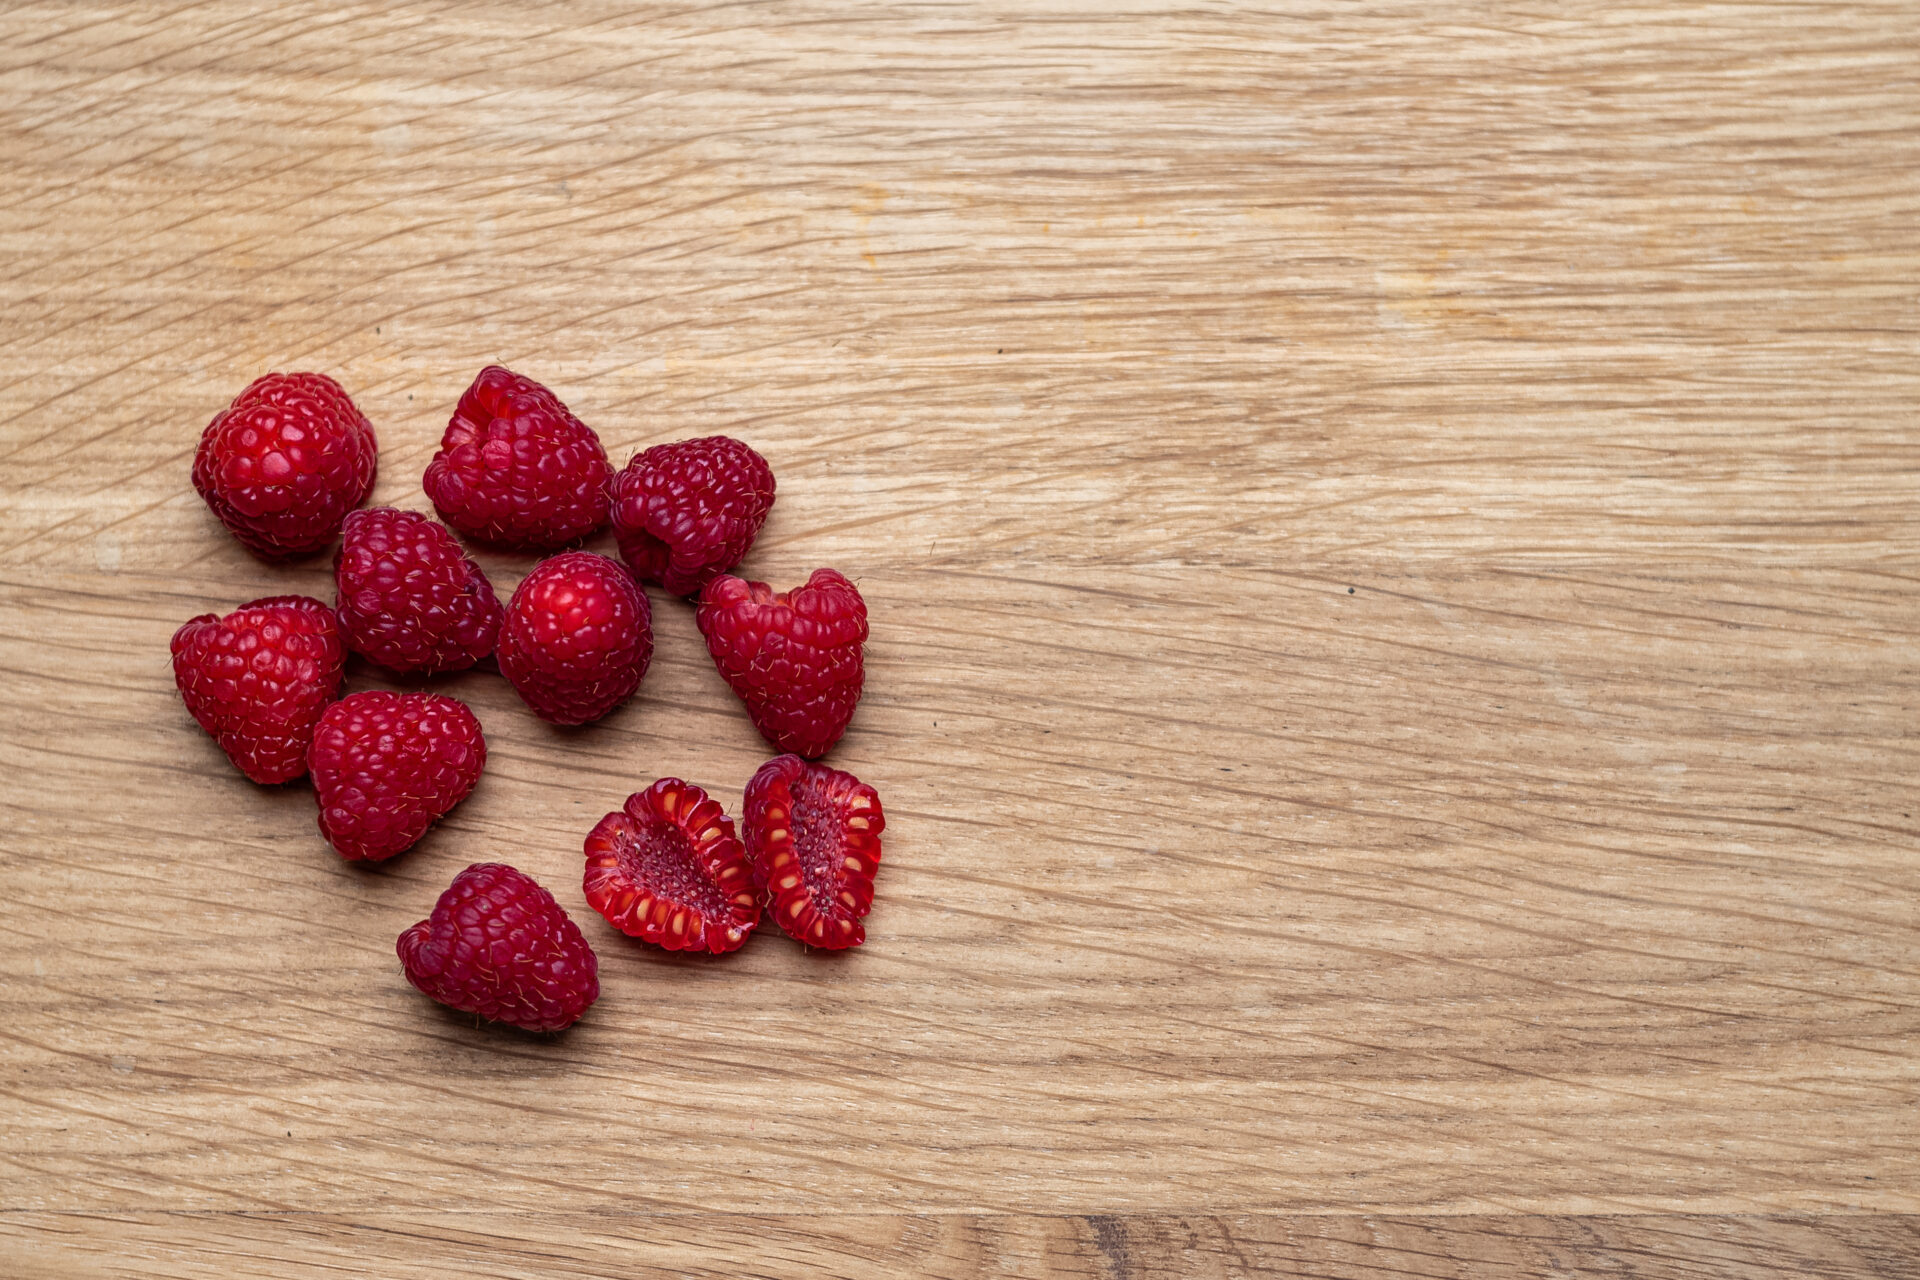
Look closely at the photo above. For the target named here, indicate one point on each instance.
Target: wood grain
(220, 1246)
(1392, 534)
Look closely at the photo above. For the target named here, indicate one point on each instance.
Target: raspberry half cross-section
(667, 868)
(814, 836)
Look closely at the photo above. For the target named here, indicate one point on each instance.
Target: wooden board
(1392, 534)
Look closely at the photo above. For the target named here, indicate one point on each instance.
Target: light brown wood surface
(1392, 534)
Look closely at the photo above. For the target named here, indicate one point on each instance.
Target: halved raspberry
(668, 869)
(814, 836)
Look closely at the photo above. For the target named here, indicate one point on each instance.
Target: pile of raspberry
(286, 466)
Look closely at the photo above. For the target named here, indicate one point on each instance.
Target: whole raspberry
(386, 766)
(498, 945)
(668, 869)
(258, 679)
(577, 638)
(794, 658)
(516, 469)
(285, 462)
(687, 511)
(409, 598)
(814, 836)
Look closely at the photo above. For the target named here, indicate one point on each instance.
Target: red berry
(794, 658)
(386, 766)
(285, 462)
(516, 469)
(409, 598)
(258, 679)
(577, 637)
(498, 945)
(669, 869)
(687, 511)
(814, 836)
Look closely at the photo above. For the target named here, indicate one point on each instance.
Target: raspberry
(258, 679)
(409, 598)
(794, 658)
(285, 462)
(687, 511)
(498, 945)
(516, 469)
(668, 869)
(386, 766)
(814, 836)
(577, 637)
